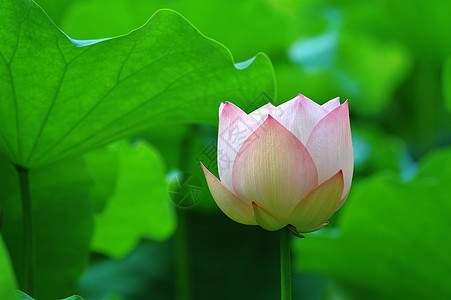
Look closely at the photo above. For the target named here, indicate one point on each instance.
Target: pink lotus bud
(285, 165)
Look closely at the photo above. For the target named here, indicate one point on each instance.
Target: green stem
(28, 240)
(181, 247)
(182, 283)
(285, 263)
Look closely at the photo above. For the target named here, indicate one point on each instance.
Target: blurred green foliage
(393, 240)
(103, 222)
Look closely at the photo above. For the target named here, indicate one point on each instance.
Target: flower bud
(285, 165)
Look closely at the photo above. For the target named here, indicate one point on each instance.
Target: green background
(104, 128)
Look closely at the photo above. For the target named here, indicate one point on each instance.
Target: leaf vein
(52, 105)
(120, 133)
(93, 108)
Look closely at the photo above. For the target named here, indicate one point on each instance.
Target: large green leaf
(332, 61)
(139, 207)
(63, 224)
(60, 98)
(393, 241)
(55, 9)
(7, 280)
(242, 26)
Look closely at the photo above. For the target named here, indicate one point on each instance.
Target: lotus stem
(285, 264)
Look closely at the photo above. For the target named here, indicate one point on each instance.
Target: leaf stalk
(285, 264)
(28, 235)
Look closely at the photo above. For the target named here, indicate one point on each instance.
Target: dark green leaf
(144, 273)
(63, 224)
(447, 83)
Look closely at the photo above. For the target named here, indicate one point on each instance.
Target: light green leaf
(393, 241)
(63, 224)
(139, 207)
(102, 164)
(7, 280)
(60, 99)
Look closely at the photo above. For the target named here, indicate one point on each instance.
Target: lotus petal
(273, 168)
(330, 146)
(233, 206)
(318, 206)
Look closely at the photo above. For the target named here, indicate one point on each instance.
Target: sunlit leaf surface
(61, 98)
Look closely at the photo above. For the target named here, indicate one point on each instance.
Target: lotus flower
(289, 165)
